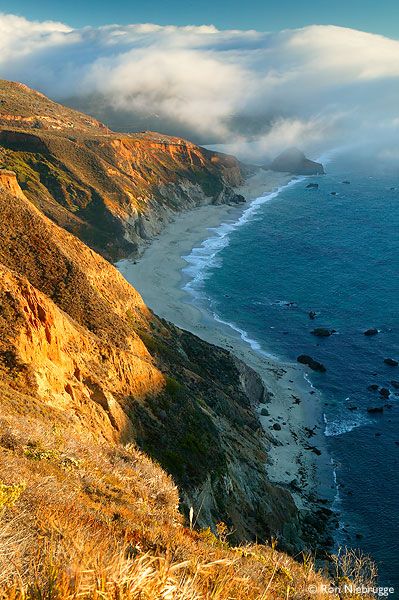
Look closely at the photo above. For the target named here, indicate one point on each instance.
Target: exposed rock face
(8, 181)
(114, 191)
(77, 341)
(294, 161)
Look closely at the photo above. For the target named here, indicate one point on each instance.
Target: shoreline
(290, 401)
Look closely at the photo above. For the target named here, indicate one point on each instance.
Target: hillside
(114, 191)
(132, 460)
(88, 376)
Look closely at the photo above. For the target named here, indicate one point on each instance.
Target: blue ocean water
(301, 250)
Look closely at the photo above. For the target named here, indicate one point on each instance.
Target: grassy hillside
(114, 191)
(83, 519)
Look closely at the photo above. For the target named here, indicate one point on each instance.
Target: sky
(319, 87)
(380, 16)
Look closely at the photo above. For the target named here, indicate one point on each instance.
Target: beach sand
(290, 399)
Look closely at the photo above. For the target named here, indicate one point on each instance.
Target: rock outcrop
(313, 364)
(294, 161)
(8, 181)
(370, 332)
(391, 362)
(322, 332)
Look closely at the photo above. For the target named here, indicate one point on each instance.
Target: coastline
(290, 401)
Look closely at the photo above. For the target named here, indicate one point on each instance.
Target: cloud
(319, 87)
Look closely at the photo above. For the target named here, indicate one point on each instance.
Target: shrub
(9, 494)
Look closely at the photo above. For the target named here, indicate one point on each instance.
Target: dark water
(337, 255)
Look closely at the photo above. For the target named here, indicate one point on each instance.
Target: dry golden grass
(86, 521)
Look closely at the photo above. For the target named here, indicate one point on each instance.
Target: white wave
(337, 496)
(307, 379)
(345, 425)
(202, 258)
(245, 337)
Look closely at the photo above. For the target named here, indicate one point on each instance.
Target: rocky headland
(294, 161)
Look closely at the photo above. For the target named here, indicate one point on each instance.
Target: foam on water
(245, 337)
(205, 257)
(201, 259)
(341, 426)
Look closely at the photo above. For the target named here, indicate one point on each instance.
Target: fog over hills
(320, 87)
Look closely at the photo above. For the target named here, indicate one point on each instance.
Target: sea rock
(375, 409)
(395, 384)
(391, 362)
(312, 314)
(312, 186)
(305, 359)
(294, 161)
(333, 193)
(371, 331)
(346, 182)
(277, 426)
(384, 392)
(313, 449)
(322, 332)
(264, 412)
(373, 387)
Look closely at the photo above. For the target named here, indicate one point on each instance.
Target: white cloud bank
(318, 87)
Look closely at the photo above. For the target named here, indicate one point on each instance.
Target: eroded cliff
(114, 191)
(77, 337)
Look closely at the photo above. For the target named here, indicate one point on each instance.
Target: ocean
(334, 251)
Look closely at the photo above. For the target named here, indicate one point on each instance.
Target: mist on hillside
(323, 88)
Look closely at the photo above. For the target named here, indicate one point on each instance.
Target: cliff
(114, 191)
(100, 399)
(8, 181)
(77, 337)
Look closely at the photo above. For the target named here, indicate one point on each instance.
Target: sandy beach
(290, 400)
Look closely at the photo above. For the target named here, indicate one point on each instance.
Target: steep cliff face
(8, 181)
(114, 191)
(77, 339)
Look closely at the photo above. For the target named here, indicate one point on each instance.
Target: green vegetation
(9, 494)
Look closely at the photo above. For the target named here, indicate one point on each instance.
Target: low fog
(322, 88)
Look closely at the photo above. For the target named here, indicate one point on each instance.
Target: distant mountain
(294, 161)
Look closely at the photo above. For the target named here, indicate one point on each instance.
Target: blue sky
(263, 15)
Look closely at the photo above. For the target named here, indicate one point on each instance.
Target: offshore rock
(294, 161)
(304, 359)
